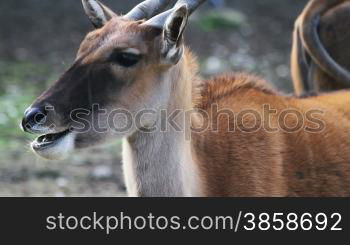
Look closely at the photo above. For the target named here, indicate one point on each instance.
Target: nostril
(38, 118)
(36, 115)
(33, 117)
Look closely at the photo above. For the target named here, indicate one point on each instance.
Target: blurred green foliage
(19, 84)
(220, 19)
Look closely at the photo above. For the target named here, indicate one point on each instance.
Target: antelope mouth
(54, 146)
(48, 140)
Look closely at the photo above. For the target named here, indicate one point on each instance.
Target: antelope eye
(125, 59)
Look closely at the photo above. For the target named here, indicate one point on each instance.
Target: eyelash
(125, 59)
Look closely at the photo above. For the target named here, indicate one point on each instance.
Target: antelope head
(123, 64)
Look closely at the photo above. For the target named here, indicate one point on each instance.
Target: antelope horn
(159, 20)
(147, 9)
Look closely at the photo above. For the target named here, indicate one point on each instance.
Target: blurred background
(38, 41)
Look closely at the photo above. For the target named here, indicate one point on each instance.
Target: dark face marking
(114, 67)
(81, 87)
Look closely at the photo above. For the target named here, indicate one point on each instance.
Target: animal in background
(320, 59)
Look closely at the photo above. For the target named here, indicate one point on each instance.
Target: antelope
(320, 59)
(137, 62)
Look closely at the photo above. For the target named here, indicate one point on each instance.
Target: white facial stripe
(132, 51)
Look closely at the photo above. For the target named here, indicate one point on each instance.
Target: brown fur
(230, 163)
(308, 73)
(272, 164)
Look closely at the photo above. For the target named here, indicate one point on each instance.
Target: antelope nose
(33, 117)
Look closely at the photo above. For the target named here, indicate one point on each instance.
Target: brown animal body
(320, 59)
(136, 66)
(263, 163)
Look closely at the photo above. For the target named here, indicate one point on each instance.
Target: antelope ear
(173, 30)
(98, 13)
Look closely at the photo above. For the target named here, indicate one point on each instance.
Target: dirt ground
(46, 35)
